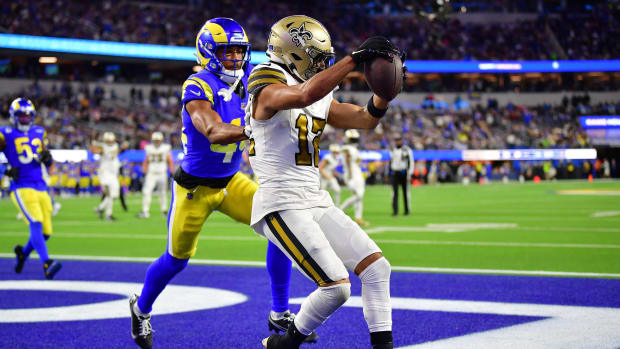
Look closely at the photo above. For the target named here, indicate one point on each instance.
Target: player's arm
(279, 96)
(145, 164)
(45, 156)
(345, 115)
(208, 122)
(2, 141)
(170, 162)
(347, 160)
(322, 170)
(96, 147)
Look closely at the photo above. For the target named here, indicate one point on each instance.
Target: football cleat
(50, 268)
(282, 325)
(56, 208)
(21, 258)
(142, 215)
(141, 329)
(99, 212)
(362, 223)
(292, 339)
(110, 218)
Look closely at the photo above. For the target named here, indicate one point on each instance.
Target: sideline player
(208, 179)
(108, 174)
(156, 165)
(353, 176)
(25, 148)
(327, 168)
(291, 102)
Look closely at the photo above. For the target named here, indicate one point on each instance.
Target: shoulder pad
(265, 74)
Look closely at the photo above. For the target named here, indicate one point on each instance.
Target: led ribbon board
(611, 121)
(180, 53)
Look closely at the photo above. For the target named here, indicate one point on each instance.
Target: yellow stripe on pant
(35, 205)
(296, 249)
(190, 208)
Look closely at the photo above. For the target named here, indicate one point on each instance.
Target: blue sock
(158, 275)
(37, 241)
(279, 268)
(28, 248)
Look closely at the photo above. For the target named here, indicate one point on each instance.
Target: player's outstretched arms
(208, 122)
(345, 115)
(280, 96)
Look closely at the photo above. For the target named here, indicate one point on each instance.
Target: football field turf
(497, 266)
(557, 227)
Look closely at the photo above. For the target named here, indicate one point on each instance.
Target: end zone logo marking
(566, 326)
(175, 299)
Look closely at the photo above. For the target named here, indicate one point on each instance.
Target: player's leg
(189, 208)
(114, 192)
(51, 266)
(335, 187)
(238, 205)
(147, 191)
(407, 192)
(358, 206)
(361, 255)
(297, 234)
(28, 202)
(394, 181)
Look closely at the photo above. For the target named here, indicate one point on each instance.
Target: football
(385, 78)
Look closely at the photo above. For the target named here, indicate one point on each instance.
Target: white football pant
(152, 181)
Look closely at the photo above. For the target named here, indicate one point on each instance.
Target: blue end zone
(244, 325)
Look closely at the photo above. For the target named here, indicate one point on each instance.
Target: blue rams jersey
(22, 151)
(203, 159)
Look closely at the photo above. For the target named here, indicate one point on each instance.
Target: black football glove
(46, 157)
(373, 47)
(13, 172)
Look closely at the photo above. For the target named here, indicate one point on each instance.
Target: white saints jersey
(284, 154)
(157, 157)
(331, 162)
(109, 162)
(352, 169)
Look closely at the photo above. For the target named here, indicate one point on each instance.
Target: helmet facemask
(23, 120)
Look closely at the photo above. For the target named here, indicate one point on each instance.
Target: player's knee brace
(173, 264)
(376, 295)
(319, 305)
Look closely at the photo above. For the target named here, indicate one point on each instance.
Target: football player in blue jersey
(213, 137)
(24, 147)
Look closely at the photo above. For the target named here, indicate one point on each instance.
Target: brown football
(384, 78)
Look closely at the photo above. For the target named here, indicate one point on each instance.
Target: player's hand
(247, 131)
(13, 172)
(46, 157)
(373, 47)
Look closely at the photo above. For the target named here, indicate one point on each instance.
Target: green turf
(535, 211)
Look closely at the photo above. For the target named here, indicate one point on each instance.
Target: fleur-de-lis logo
(300, 35)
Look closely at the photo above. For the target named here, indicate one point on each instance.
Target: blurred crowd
(421, 28)
(75, 116)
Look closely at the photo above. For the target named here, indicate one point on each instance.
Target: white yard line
(395, 268)
(257, 238)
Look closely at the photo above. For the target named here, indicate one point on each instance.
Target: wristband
(374, 111)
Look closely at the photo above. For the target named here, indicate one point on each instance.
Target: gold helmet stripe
(217, 32)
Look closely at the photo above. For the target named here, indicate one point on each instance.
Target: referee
(401, 169)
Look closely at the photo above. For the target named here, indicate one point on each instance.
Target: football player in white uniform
(108, 173)
(291, 101)
(353, 176)
(156, 166)
(327, 168)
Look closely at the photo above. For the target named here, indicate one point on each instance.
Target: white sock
(278, 315)
(137, 310)
(376, 296)
(319, 305)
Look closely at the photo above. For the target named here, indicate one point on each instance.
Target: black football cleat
(20, 258)
(141, 329)
(292, 339)
(50, 268)
(281, 325)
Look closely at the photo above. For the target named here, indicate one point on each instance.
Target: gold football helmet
(302, 44)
